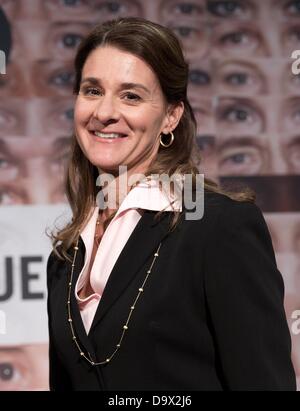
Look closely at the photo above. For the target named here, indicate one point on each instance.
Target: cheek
(146, 123)
(82, 113)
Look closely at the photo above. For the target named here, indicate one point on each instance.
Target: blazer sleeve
(58, 377)
(244, 294)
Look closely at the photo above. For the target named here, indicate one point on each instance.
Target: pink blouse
(146, 195)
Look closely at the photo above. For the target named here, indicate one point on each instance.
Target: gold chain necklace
(88, 357)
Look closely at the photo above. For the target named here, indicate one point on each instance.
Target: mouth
(108, 136)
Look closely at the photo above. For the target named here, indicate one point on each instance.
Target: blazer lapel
(142, 243)
(79, 329)
(76, 316)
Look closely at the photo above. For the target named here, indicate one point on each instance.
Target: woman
(140, 296)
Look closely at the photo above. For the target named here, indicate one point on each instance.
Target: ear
(173, 116)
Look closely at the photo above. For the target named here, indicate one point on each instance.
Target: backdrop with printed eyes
(247, 104)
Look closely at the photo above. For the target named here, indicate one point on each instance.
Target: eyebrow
(238, 141)
(94, 81)
(293, 140)
(292, 100)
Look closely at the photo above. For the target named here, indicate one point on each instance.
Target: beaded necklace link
(87, 356)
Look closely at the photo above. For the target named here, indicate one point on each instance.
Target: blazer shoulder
(52, 258)
(221, 202)
(234, 220)
(219, 206)
(54, 266)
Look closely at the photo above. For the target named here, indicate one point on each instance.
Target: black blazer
(211, 315)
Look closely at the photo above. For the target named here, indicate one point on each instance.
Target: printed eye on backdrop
(12, 117)
(52, 78)
(239, 40)
(24, 161)
(241, 77)
(235, 9)
(201, 78)
(241, 155)
(193, 37)
(52, 40)
(262, 154)
(238, 115)
(23, 367)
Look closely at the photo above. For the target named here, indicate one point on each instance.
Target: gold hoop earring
(170, 142)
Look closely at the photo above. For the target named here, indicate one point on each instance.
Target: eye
(68, 8)
(240, 115)
(227, 8)
(65, 38)
(294, 34)
(8, 168)
(12, 372)
(292, 8)
(69, 114)
(241, 38)
(199, 77)
(239, 158)
(296, 115)
(237, 114)
(132, 97)
(111, 6)
(240, 161)
(61, 118)
(294, 110)
(206, 143)
(290, 115)
(90, 91)
(9, 197)
(72, 3)
(242, 79)
(6, 372)
(62, 79)
(184, 31)
(115, 8)
(71, 40)
(188, 9)
(7, 120)
(237, 79)
(4, 163)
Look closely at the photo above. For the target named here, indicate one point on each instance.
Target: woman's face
(120, 111)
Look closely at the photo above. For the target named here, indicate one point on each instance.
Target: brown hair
(161, 50)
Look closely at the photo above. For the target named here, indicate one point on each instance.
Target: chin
(106, 167)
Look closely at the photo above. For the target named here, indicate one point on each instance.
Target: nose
(106, 110)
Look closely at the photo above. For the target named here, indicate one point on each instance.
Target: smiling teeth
(107, 135)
